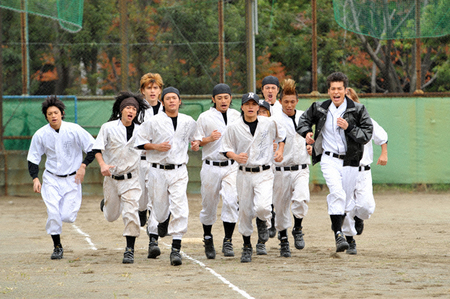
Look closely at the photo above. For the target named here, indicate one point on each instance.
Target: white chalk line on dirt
(223, 279)
(88, 238)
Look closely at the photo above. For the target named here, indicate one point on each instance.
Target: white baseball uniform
(218, 174)
(64, 152)
(254, 179)
(363, 194)
(276, 109)
(168, 178)
(144, 171)
(122, 190)
(291, 176)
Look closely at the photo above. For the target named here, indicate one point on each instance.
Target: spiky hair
(288, 88)
(351, 93)
(116, 113)
(53, 101)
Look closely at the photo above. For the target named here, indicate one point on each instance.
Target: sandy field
(404, 252)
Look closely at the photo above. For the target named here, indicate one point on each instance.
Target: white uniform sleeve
(280, 132)
(36, 150)
(200, 132)
(193, 130)
(102, 139)
(143, 134)
(227, 142)
(379, 134)
(85, 139)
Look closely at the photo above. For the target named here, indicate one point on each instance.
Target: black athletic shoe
(341, 243)
(263, 232)
(210, 252)
(143, 217)
(163, 228)
(153, 249)
(102, 204)
(351, 247)
(58, 253)
(272, 230)
(261, 249)
(298, 238)
(128, 256)
(175, 257)
(227, 247)
(359, 225)
(284, 248)
(246, 254)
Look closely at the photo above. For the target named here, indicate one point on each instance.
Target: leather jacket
(358, 133)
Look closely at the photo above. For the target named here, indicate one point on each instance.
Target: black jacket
(358, 133)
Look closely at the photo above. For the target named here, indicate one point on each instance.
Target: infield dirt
(404, 252)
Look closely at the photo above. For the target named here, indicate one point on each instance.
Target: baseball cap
(221, 88)
(265, 104)
(250, 96)
(270, 80)
(169, 90)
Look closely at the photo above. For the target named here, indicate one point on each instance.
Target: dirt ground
(404, 252)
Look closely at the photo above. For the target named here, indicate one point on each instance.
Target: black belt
(364, 168)
(167, 166)
(224, 163)
(342, 157)
(122, 177)
(64, 175)
(255, 169)
(292, 168)
(143, 158)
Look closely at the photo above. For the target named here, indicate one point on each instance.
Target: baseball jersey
(64, 150)
(379, 136)
(149, 112)
(160, 129)
(209, 121)
(295, 147)
(238, 139)
(276, 109)
(116, 150)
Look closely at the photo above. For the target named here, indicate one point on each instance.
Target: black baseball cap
(270, 80)
(250, 96)
(265, 104)
(221, 88)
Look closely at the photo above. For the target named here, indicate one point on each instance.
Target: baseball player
(363, 194)
(270, 89)
(119, 164)
(63, 144)
(218, 174)
(248, 141)
(291, 179)
(342, 127)
(166, 138)
(151, 85)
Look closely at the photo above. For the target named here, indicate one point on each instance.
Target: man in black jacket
(342, 127)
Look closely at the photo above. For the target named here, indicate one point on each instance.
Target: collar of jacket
(326, 104)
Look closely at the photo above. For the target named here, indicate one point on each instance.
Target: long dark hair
(116, 113)
(53, 101)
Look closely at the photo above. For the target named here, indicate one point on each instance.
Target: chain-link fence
(181, 42)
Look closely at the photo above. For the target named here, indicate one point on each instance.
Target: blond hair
(351, 93)
(288, 88)
(151, 78)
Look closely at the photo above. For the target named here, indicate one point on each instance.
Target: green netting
(394, 19)
(69, 13)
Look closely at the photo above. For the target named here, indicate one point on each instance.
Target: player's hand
(215, 135)
(309, 149)
(278, 157)
(342, 123)
(37, 185)
(242, 158)
(275, 146)
(163, 147)
(105, 169)
(309, 138)
(79, 177)
(382, 160)
(195, 145)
